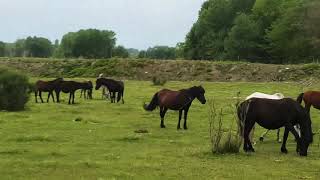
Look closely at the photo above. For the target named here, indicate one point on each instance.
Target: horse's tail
(153, 104)
(300, 97)
(242, 111)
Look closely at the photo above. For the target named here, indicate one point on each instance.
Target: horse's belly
(270, 124)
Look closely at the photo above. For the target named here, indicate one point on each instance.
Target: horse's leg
(58, 96)
(162, 114)
(185, 117)
(180, 116)
(35, 95)
(278, 136)
(247, 129)
(251, 135)
(263, 135)
(296, 135)
(73, 97)
(285, 137)
(40, 95)
(52, 96)
(69, 97)
(49, 94)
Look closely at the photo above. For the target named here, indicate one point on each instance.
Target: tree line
(89, 43)
(267, 31)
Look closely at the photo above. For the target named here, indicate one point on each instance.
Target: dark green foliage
(14, 90)
(242, 42)
(159, 52)
(267, 31)
(90, 43)
(2, 49)
(38, 47)
(120, 51)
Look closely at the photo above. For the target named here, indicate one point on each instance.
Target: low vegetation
(14, 88)
(95, 139)
(178, 70)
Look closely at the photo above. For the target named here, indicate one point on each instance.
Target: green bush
(14, 90)
(158, 81)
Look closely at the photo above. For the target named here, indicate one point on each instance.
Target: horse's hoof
(185, 128)
(178, 128)
(284, 150)
(163, 126)
(261, 139)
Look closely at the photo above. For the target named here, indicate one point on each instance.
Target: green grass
(96, 140)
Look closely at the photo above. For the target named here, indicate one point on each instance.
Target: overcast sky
(137, 23)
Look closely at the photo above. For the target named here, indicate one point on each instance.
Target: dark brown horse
(113, 88)
(46, 86)
(176, 100)
(274, 114)
(71, 87)
(87, 91)
(310, 98)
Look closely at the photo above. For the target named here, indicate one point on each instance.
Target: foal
(176, 100)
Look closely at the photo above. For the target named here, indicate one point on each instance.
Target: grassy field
(45, 141)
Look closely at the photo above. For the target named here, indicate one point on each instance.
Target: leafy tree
(89, 43)
(288, 40)
(19, 48)
(243, 38)
(38, 47)
(120, 51)
(2, 49)
(142, 54)
(133, 52)
(161, 52)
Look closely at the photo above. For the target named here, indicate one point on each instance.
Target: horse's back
(273, 114)
(313, 98)
(265, 96)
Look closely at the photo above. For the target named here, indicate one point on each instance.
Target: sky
(138, 23)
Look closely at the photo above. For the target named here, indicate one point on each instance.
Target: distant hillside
(178, 70)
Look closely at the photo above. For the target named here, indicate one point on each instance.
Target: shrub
(158, 81)
(14, 90)
(222, 141)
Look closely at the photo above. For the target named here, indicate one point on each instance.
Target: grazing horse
(71, 87)
(46, 86)
(274, 114)
(87, 91)
(310, 98)
(113, 87)
(265, 96)
(176, 100)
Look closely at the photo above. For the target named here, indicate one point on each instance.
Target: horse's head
(306, 135)
(198, 92)
(98, 83)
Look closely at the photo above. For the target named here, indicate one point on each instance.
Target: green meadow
(95, 139)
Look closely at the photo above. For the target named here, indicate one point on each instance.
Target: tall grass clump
(223, 140)
(14, 88)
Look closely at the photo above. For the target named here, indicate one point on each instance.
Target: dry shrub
(223, 141)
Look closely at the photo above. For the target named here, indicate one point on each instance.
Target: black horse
(71, 87)
(113, 87)
(46, 86)
(176, 100)
(86, 92)
(274, 114)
